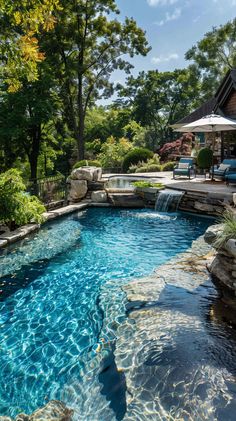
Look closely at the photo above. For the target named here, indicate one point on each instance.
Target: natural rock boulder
(78, 190)
(230, 247)
(53, 411)
(211, 233)
(220, 268)
(99, 196)
(87, 173)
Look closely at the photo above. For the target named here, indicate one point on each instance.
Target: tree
(159, 99)
(88, 45)
(23, 118)
(21, 23)
(214, 55)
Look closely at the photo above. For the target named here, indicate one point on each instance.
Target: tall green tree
(159, 99)
(85, 47)
(213, 55)
(23, 118)
(21, 23)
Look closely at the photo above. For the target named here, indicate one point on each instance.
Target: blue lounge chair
(226, 169)
(185, 167)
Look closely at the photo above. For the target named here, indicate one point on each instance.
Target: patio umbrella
(210, 124)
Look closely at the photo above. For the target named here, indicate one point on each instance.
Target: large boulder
(78, 190)
(230, 247)
(99, 196)
(212, 233)
(87, 173)
(53, 411)
(3, 418)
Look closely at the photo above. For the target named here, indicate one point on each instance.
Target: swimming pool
(54, 340)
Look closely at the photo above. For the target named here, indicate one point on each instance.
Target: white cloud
(155, 3)
(170, 17)
(165, 58)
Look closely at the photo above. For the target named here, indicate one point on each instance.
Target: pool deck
(198, 184)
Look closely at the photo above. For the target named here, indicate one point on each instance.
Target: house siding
(229, 107)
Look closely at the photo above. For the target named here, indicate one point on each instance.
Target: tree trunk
(80, 134)
(34, 154)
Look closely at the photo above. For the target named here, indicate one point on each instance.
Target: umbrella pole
(213, 149)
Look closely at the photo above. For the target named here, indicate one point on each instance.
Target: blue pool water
(50, 311)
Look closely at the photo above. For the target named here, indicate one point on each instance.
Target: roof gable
(221, 103)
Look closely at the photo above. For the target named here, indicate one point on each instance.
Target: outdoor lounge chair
(226, 169)
(185, 167)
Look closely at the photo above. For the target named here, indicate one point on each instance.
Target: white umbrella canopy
(209, 123)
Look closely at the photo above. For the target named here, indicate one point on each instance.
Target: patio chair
(185, 167)
(225, 169)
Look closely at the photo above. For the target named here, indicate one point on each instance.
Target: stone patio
(199, 184)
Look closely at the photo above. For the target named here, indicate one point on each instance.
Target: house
(223, 103)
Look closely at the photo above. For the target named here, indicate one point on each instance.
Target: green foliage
(85, 163)
(228, 230)
(89, 44)
(139, 169)
(159, 99)
(27, 123)
(16, 206)
(204, 158)
(113, 152)
(144, 184)
(135, 156)
(151, 165)
(22, 22)
(153, 168)
(168, 166)
(213, 55)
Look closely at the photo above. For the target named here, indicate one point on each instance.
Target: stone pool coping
(20, 233)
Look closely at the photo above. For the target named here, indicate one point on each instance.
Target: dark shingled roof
(215, 103)
(205, 109)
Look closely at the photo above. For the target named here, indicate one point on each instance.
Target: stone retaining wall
(212, 204)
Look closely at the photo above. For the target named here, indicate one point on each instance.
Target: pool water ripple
(57, 331)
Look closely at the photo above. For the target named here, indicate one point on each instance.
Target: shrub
(204, 158)
(135, 156)
(113, 152)
(154, 160)
(16, 206)
(153, 168)
(141, 169)
(168, 166)
(147, 184)
(228, 222)
(134, 168)
(85, 163)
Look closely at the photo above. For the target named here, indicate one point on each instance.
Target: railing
(49, 189)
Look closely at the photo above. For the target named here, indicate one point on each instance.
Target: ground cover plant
(143, 184)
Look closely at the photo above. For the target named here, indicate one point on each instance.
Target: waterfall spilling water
(168, 200)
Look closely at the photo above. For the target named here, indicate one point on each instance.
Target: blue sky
(172, 27)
